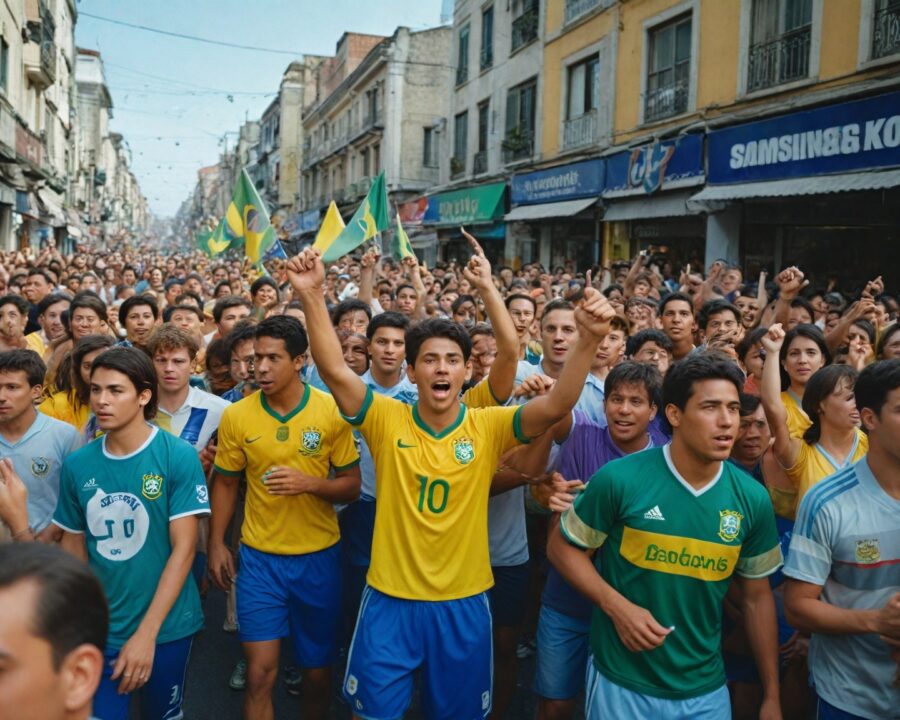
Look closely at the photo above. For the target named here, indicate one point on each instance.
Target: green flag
(246, 221)
(201, 241)
(369, 219)
(400, 246)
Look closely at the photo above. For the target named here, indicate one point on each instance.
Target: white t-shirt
(196, 420)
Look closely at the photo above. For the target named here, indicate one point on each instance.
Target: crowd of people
(681, 492)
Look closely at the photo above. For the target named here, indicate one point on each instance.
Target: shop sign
(413, 212)
(28, 145)
(479, 204)
(850, 136)
(657, 166)
(566, 182)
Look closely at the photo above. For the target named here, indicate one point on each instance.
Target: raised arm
(307, 276)
(367, 276)
(786, 448)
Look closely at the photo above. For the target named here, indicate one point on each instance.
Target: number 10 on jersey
(433, 493)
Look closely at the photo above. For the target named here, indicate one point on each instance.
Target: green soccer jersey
(672, 550)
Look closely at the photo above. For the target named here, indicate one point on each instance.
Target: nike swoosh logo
(252, 440)
(403, 445)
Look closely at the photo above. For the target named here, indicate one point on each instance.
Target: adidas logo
(90, 484)
(654, 513)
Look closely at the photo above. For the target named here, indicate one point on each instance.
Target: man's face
(731, 281)
(186, 320)
(465, 314)
(230, 317)
(51, 320)
(798, 316)
(36, 288)
(220, 274)
(439, 373)
(173, 292)
(484, 352)
(678, 321)
(242, 359)
(652, 354)
(388, 349)
(193, 285)
(275, 369)
(709, 422)
(884, 428)
(355, 321)
(749, 307)
(139, 324)
(891, 349)
(114, 399)
(90, 282)
(720, 323)
(752, 439)
(16, 395)
(406, 301)
(558, 333)
(73, 284)
(128, 277)
(355, 351)
(173, 368)
(12, 322)
(628, 412)
(522, 313)
(610, 350)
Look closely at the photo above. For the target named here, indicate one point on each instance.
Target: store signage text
(566, 182)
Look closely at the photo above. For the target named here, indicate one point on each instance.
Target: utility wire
(182, 36)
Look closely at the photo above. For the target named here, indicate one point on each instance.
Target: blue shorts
(292, 595)
(450, 640)
(509, 596)
(827, 711)
(563, 647)
(161, 697)
(607, 701)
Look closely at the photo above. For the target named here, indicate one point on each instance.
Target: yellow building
(760, 131)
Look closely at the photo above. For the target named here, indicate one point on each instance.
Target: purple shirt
(587, 449)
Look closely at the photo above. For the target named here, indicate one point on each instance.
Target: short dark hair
(481, 328)
(804, 330)
(169, 337)
(714, 307)
(20, 303)
(85, 346)
(401, 286)
(387, 319)
(457, 304)
(436, 328)
(820, 386)
(675, 297)
(520, 296)
(71, 609)
(137, 301)
(802, 302)
(889, 331)
(226, 303)
(259, 282)
(50, 300)
(642, 337)
(187, 308)
(27, 361)
(89, 300)
(348, 306)
(867, 327)
(137, 367)
(557, 304)
(241, 332)
(635, 373)
(287, 328)
(678, 387)
(749, 404)
(43, 273)
(752, 338)
(874, 383)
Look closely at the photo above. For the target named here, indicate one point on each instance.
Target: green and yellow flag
(331, 227)
(246, 221)
(201, 241)
(369, 219)
(400, 245)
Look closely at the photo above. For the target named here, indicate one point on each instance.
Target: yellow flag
(331, 227)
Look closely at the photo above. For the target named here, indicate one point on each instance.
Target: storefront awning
(566, 208)
(644, 208)
(819, 185)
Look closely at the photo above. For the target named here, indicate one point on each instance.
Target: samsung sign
(839, 138)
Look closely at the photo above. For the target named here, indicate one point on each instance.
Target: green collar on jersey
(285, 418)
(447, 430)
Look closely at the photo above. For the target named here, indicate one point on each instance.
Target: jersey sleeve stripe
(760, 566)
(198, 511)
(339, 468)
(360, 417)
(67, 529)
(517, 426)
(820, 496)
(493, 394)
(579, 533)
(227, 473)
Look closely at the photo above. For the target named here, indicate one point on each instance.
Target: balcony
(580, 131)
(577, 8)
(457, 167)
(886, 31)
(39, 59)
(779, 61)
(518, 145)
(462, 73)
(666, 101)
(480, 163)
(524, 28)
(485, 58)
(372, 120)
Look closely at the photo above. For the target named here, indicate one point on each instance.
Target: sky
(174, 99)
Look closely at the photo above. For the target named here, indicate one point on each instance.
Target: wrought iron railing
(518, 145)
(576, 8)
(580, 131)
(666, 100)
(480, 163)
(525, 28)
(886, 30)
(779, 61)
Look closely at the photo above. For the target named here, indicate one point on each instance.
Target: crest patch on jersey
(282, 433)
(151, 486)
(729, 524)
(310, 441)
(867, 551)
(39, 466)
(463, 451)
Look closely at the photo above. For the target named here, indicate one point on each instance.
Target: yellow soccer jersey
(431, 540)
(481, 395)
(312, 439)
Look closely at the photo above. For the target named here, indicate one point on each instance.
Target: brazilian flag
(369, 219)
(201, 241)
(400, 245)
(246, 222)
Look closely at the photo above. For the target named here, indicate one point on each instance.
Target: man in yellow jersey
(286, 438)
(425, 605)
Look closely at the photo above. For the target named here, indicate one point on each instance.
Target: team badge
(729, 525)
(202, 494)
(463, 451)
(310, 440)
(151, 487)
(282, 433)
(39, 466)
(867, 551)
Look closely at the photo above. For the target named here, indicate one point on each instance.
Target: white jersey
(196, 420)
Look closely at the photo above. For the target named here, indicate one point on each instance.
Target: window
(365, 162)
(460, 142)
(525, 26)
(583, 99)
(487, 37)
(780, 35)
(885, 29)
(520, 107)
(429, 149)
(462, 62)
(376, 159)
(668, 69)
(4, 65)
(480, 160)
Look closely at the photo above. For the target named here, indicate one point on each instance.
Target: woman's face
(753, 361)
(803, 358)
(749, 307)
(891, 350)
(85, 368)
(840, 406)
(156, 276)
(859, 338)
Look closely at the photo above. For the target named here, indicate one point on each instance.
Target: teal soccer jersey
(123, 506)
(672, 550)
